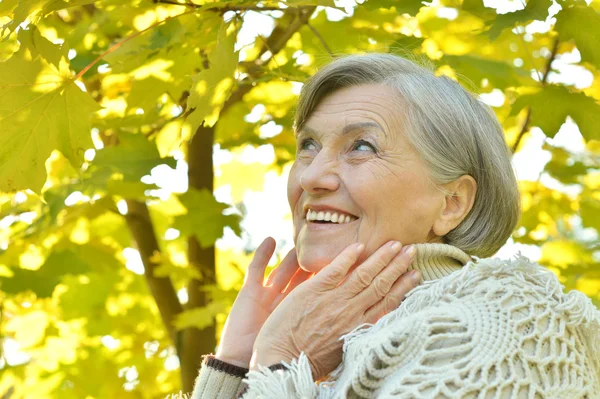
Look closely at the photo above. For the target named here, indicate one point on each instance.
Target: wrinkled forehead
(375, 108)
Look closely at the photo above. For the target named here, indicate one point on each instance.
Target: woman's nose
(321, 175)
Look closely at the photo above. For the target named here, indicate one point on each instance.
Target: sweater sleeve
(293, 380)
(218, 379)
(222, 380)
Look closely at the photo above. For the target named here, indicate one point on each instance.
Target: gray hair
(454, 133)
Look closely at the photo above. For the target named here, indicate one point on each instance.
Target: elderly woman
(401, 177)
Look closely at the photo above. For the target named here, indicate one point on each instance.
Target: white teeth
(327, 217)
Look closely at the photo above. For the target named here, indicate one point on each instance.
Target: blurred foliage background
(144, 147)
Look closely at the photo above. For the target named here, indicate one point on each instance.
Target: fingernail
(360, 247)
(409, 250)
(395, 245)
(415, 276)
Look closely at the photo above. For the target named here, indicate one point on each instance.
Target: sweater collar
(435, 261)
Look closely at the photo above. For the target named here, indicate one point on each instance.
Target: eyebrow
(348, 128)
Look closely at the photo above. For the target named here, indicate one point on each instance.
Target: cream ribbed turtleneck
(435, 261)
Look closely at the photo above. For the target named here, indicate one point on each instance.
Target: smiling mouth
(328, 217)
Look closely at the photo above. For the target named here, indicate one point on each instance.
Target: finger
(256, 270)
(282, 274)
(382, 283)
(332, 274)
(300, 277)
(394, 298)
(364, 274)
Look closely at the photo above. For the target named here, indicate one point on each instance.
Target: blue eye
(363, 145)
(308, 145)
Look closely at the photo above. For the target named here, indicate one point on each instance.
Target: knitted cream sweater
(491, 328)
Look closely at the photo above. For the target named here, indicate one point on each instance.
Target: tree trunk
(196, 342)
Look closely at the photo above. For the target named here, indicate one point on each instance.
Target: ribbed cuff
(219, 365)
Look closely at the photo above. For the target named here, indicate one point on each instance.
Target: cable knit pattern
(486, 329)
(493, 329)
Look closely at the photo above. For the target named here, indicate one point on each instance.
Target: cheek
(294, 189)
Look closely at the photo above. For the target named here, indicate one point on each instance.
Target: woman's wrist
(266, 357)
(239, 361)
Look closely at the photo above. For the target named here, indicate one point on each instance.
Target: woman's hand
(256, 301)
(329, 305)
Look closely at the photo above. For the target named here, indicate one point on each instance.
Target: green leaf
(410, 7)
(205, 217)
(551, 105)
(563, 166)
(200, 317)
(581, 24)
(33, 10)
(7, 7)
(590, 212)
(145, 47)
(303, 3)
(129, 189)
(477, 8)
(134, 157)
(40, 110)
(37, 44)
(146, 93)
(534, 10)
(475, 69)
(43, 281)
(211, 87)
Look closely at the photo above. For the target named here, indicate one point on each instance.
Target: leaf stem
(321, 39)
(544, 82)
(122, 42)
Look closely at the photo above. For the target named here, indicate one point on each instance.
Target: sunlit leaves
(32, 40)
(205, 218)
(200, 317)
(590, 209)
(565, 167)
(43, 281)
(500, 74)
(211, 87)
(133, 157)
(32, 10)
(551, 105)
(411, 7)
(535, 9)
(582, 25)
(41, 109)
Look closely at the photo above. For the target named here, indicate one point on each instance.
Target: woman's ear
(457, 205)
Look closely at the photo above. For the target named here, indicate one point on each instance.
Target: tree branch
(139, 223)
(122, 42)
(219, 9)
(321, 39)
(275, 43)
(281, 34)
(142, 230)
(544, 81)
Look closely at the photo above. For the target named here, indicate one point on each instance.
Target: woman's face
(354, 160)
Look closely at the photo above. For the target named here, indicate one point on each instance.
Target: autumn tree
(97, 96)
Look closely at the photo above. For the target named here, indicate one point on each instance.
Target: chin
(313, 261)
